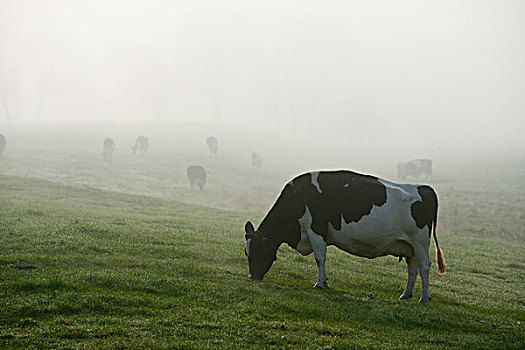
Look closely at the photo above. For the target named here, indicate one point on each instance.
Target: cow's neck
(281, 224)
(281, 232)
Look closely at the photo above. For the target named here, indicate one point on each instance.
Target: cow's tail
(440, 259)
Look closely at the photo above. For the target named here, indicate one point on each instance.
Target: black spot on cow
(343, 194)
(424, 211)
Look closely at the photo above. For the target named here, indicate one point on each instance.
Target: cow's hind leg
(412, 274)
(423, 264)
(319, 248)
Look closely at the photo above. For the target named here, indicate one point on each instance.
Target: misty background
(417, 77)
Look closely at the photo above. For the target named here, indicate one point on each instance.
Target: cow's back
(196, 172)
(358, 213)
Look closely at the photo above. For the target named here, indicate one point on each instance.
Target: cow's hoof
(321, 286)
(405, 297)
(425, 300)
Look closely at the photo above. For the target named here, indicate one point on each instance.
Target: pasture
(123, 254)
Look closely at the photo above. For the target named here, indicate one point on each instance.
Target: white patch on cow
(376, 233)
(315, 175)
(304, 247)
(247, 247)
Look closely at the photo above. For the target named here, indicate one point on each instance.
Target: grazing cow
(360, 214)
(406, 169)
(197, 176)
(109, 147)
(213, 144)
(2, 144)
(256, 160)
(141, 145)
(424, 166)
(414, 168)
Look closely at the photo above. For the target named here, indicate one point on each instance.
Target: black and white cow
(360, 214)
(141, 145)
(2, 144)
(197, 176)
(109, 148)
(256, 160)
(212, 144)
(414, 168)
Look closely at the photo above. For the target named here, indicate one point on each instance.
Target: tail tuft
(440, 259)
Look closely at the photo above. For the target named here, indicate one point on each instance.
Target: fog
(412, 75)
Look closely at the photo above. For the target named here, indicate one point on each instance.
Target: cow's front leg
(411, 280)
(319, 248)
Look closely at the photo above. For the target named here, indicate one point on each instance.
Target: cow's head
(259, 250)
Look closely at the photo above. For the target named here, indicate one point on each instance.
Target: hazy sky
(442, 71)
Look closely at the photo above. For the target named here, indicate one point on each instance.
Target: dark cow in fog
(141, 145)
(256, 160)
(212, 144)
(360, 214)
(197, 177)
(2, 144)
(109, 148)
(414, 168)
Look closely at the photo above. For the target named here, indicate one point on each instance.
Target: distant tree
(46, 88)
(10, 91)
(153, 85)
(5, 91)
(159, 97)
(4, 96)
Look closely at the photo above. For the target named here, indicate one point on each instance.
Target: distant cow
(109, 148)
(2, 144)
(406, 169)
(141, 145)
(256, 160)
(360, 214)
(424, 167)
(197, 177)
(414, 168)
(213, 144)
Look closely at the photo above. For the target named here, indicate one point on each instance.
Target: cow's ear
(248, 228)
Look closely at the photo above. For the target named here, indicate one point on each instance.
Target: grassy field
(124, 255)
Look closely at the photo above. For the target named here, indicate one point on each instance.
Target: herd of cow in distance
(362, 215)
(196, 173)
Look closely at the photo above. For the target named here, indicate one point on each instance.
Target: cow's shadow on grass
(379, 309)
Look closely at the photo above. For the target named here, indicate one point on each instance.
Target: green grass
(118, 269)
